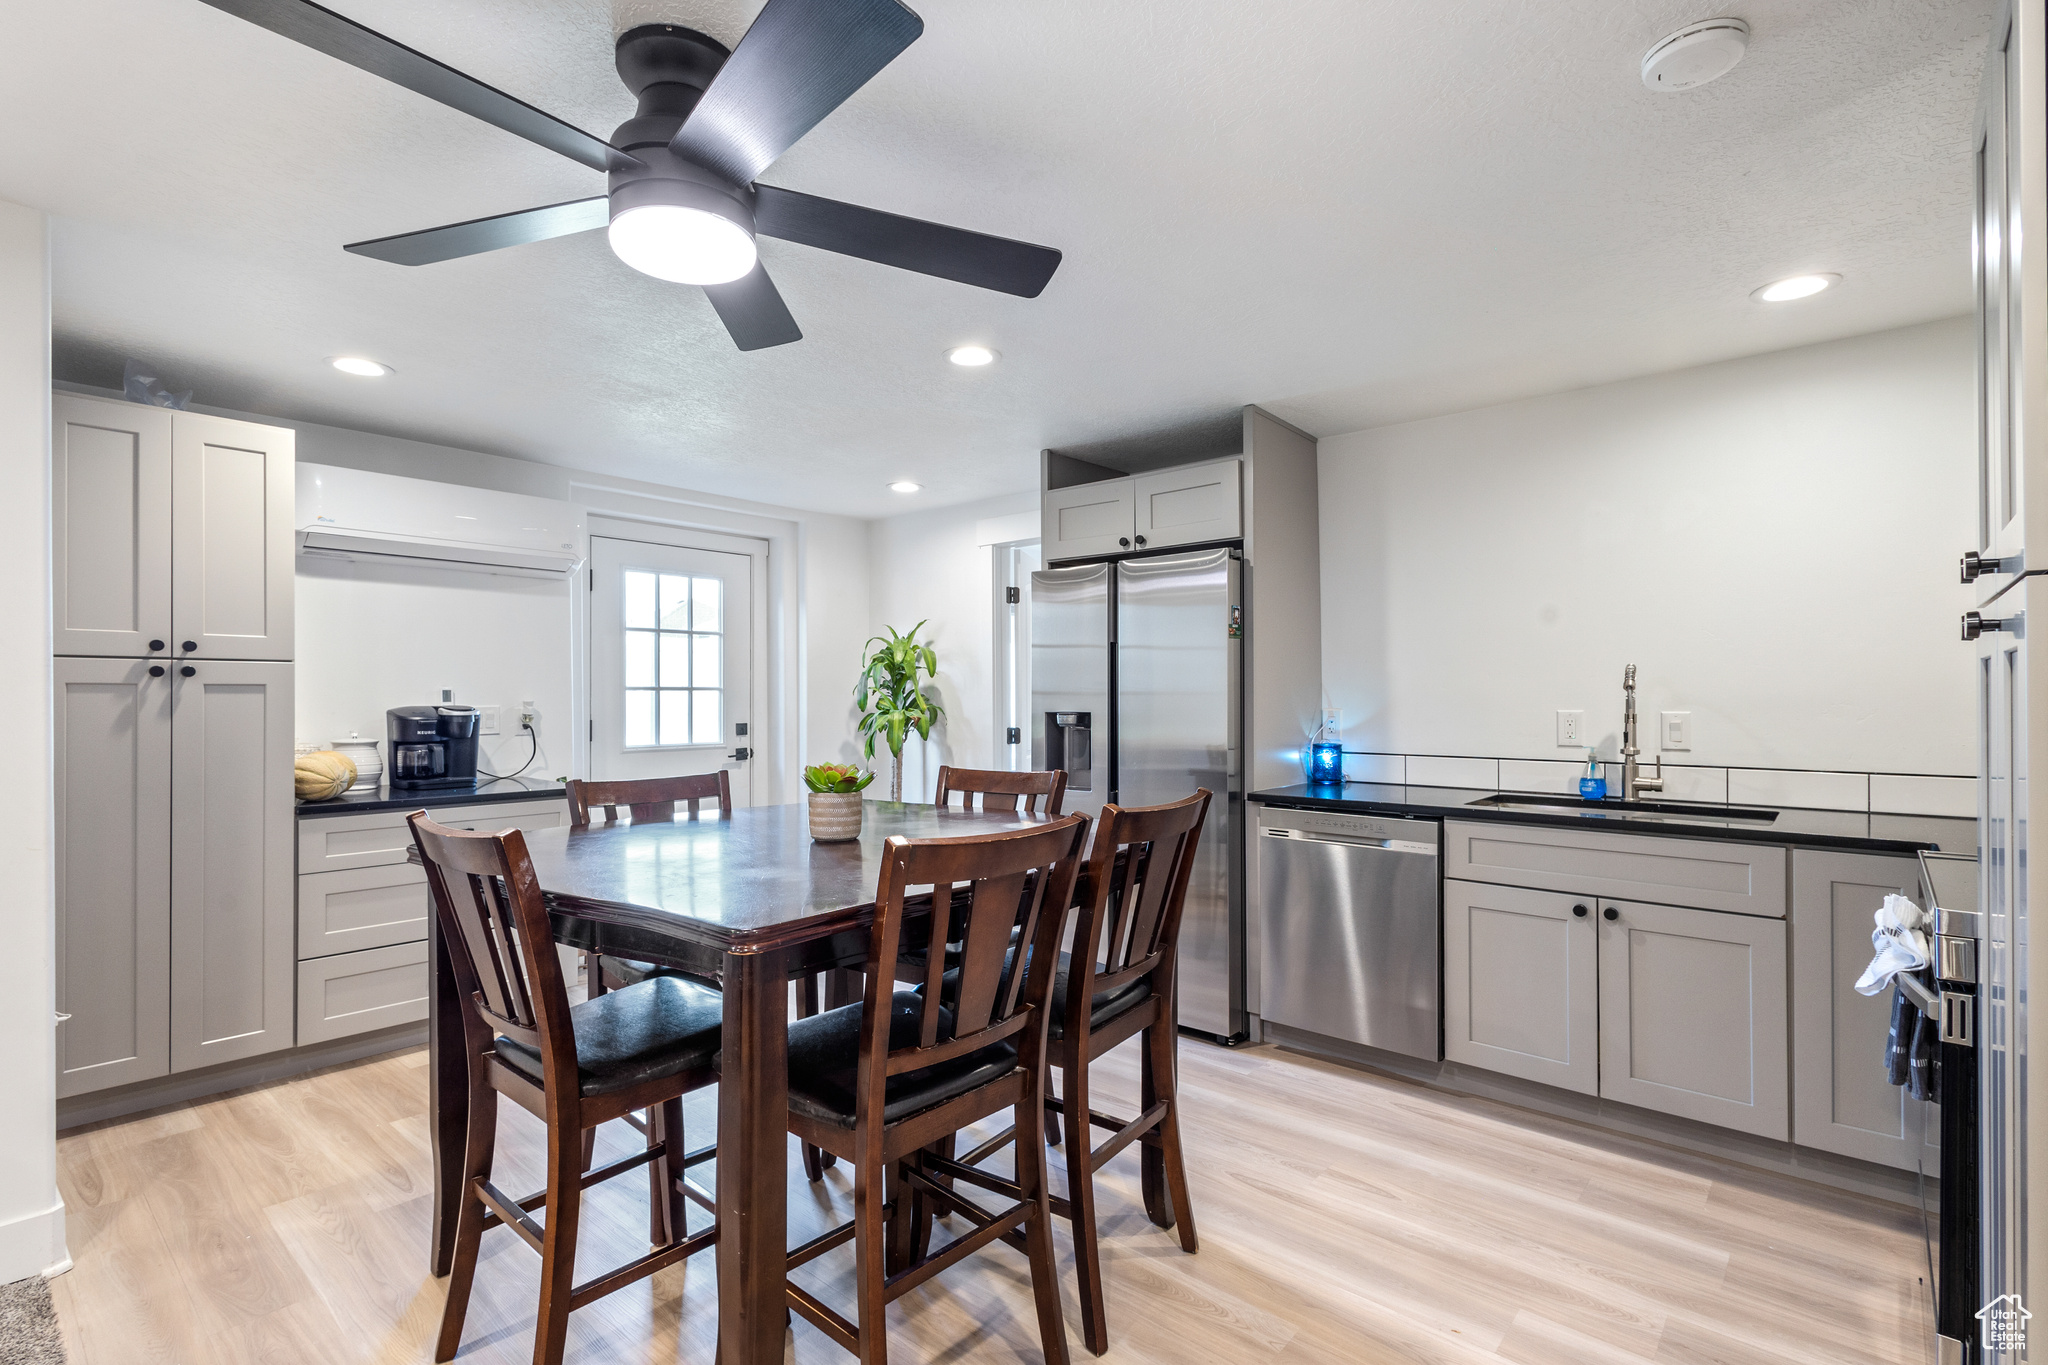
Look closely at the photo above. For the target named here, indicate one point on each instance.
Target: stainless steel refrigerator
(1136, 685)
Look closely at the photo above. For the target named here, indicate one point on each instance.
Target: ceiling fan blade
(753, 311)
(907, 243)
(799, 62)
(323, 30)
(479, 235)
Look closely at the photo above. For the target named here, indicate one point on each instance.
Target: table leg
(447, 1094)
(753, 1162)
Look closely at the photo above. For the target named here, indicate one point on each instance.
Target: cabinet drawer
(361, 992)
(361, 907)
(1704, 874)
(332, 843)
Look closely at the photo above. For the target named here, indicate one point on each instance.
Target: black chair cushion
(1107, 1005)
(824, 1052)
(663, 1026)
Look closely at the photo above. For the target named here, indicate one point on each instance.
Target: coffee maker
(433, 748)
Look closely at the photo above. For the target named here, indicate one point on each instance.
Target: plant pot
(835, 816)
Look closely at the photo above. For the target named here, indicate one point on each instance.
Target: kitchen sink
(1634, 810)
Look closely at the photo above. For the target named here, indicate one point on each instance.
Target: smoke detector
(1695, 54)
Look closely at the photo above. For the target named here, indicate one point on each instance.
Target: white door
(670, 662)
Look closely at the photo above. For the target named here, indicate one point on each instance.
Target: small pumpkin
(322, 776)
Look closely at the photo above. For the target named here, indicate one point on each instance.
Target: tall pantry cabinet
(172, 628)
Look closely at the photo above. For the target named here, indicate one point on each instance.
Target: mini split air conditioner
(355, 514)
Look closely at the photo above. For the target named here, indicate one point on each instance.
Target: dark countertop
(369, 800)
(1859, 830)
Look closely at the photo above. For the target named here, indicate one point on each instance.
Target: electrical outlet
(528, 716)
(1571, 729)
(447, 695)
(487, 720)
(1333, 722)
(1677, 731)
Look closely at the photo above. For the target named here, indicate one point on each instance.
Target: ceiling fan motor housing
(668, 68)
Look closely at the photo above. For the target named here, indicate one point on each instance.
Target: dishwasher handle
(1352, 841)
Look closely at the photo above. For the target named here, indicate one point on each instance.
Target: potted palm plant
(835, 800)
(892, 697)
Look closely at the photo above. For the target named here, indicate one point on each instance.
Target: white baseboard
(33, 1244)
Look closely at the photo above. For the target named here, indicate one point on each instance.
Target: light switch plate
(1571, 729)
(487, 723)
(1677, 731)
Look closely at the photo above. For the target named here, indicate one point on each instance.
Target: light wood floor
(1344, 1217)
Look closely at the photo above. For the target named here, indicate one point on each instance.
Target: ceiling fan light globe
(683, 245)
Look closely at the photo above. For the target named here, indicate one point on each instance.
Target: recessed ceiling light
(355, 364)
(904, 486)
(971, 356)
(1797, 287)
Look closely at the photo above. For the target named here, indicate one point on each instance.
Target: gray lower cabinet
(1692, 1014)
(361, 907)
(1520, 992)
(231, 808)
(1841, 1101)
(1707, 874)
(362, 991)
(113, 865)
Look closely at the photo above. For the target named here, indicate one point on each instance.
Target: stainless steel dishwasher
(1349, 944)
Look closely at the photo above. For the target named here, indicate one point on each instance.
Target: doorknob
(1579, 910)
(191, 644)
(156, 644)
(1975, 566)
(156, 670)
(1975, 623)
(741, 754)
(187, 671)
(1611, 913)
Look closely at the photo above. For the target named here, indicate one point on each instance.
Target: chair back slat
(649, 799)
(1001, 791)
(1014, 882)
(495, 926)
(1134, 896)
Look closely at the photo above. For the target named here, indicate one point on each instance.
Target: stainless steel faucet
(1633, 783)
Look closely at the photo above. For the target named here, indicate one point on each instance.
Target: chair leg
(593, 976)
(558, 1247)
(1080, 1198)
(870, 1238)
(1052, 1114)
(667, 1204)
(1032, 1179)
(469, 1219)
(589, 1147)
(807, 1005)
(1159, 1080)
(903, 1209)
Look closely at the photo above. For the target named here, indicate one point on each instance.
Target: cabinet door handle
(191, 644)
(1124, 541)
(187, 671)
(1579, 910)
(1611, 913)
(156, 670)
(156, 644)
(1141, 540)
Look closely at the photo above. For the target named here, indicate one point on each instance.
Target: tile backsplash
(1884, 793)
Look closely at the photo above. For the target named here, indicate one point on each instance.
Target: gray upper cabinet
(231, 538)
(1520, 993)
(113, 780)
(1841, 1101)
(110, 525)
(1187, 506)
(1090, 519)
(1692, 1015)
(232, 957)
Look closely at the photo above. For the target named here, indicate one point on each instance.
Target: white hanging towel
(1900, 939)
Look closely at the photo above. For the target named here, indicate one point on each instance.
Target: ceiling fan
(683, 202)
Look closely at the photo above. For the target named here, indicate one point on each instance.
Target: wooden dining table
(751, 902)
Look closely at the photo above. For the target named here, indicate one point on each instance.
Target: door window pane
(639, 718)
(639, 596)
(640, 658)
(675, 655)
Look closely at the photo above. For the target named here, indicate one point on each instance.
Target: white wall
(371, 637)
(934, 566)
(31, 1214)
(1772, 539)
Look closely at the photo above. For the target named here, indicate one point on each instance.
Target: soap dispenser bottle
(1592, 786)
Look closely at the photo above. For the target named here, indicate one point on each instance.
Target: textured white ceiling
(1352, 212)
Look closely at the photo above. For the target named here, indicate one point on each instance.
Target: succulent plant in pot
(835, 800)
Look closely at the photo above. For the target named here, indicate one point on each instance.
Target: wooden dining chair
(573, 1067)
(1118, 983)
(645, 800)
(881, 1082)
(1000, 790)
